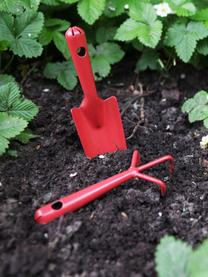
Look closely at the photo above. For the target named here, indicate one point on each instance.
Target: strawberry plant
(197, 108)
(160, 33)
(15, 114)
(176, 258)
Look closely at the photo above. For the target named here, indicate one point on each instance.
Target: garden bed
(117, 234)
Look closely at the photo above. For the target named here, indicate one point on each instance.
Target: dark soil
(117, 234)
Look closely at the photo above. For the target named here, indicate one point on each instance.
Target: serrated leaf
(112, 52)
(17, 6)
(90, 10)
(52, 32)
(142, 24)
(24, 108)
(4, 144)
(143, 12)
(51, 2)
(201, 15)
(182, 7)
(9, 93)
(198, 262)
(64, 72)
(149, 59)
(206, 123)
(128, 30)
(101, 67)
(25, 136)
(10, 6)
(185, 48)
(5, 78)
(188, 105)
(11, 126)
(104, 34)
(197, 107)
(68, 81)
(198, 113)
(12, 153)
(150, 35)
(26, 47)
(22, 32)
(202, 47)
(184, 38)
(61, 45)
(117, 7)
(172, 257)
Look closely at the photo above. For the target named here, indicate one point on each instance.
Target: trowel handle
(78, 49)
(78, 199)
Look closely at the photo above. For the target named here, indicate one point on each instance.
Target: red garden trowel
(98, 121)
(80, 198)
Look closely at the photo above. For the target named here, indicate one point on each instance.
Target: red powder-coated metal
(78, 199)
(98, 121)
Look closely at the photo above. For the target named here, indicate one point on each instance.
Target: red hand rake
(78, 199)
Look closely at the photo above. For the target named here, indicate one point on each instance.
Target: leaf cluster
(15, 114)
(197, 108)
(174, 257)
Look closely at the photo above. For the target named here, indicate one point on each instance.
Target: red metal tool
(98, 121)
(78, 199)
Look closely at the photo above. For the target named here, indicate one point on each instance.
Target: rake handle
(78, 199)
(76, 40)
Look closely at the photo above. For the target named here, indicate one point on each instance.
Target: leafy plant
(176, 258)
(15, 113)
(197, 107)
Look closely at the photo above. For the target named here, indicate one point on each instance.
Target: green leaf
(184, 38)
(143, 12)
(12, 103)
(142, 24)
(172, 257)
(61, 45)
(25, 136)
(182, 7)
(128, 30)
(24, 108)
(22, 32)
(51, 2)
(103, 56)
(90, 10)
(27, 47)
(64, 72)
(11, 126)
(4, 144)
(201, 15)
(116, 7)
(17, 6)
(9, 93)
(101, 67)
(104, 34)
(111, 51)
(197, 107)
(206, 123)
(5, 78)
(198, 262)
(202, 47)
(12, 153)
(149, 59)
(52, 32)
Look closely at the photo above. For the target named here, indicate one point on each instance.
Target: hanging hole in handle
(81, 51)
(57, 205)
